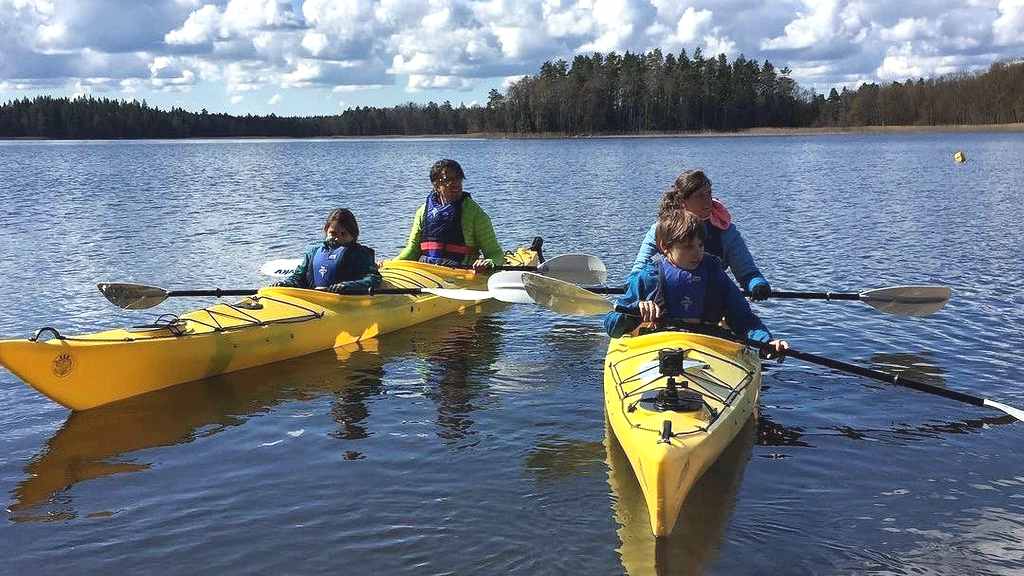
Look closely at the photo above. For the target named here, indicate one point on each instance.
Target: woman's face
(449, 186)
(699, 203)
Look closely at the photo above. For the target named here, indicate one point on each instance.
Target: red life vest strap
(460, 249)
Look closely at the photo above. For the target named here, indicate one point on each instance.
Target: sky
(311, 57)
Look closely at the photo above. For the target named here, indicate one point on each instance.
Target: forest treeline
(596, 94)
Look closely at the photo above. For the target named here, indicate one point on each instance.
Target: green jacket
(476, 230)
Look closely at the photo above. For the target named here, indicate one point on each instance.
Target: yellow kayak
(89, 370)
(700, 529)
(670, 439)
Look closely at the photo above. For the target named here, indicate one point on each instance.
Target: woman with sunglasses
(692, 192)
(450, 228)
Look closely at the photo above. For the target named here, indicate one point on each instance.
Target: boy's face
(686, 255)
(337, 234)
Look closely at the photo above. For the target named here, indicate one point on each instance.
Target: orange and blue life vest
(442, 241)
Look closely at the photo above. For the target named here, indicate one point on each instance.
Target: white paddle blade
(280, 268)
(508, 286)
(575, 268)
(563, 297)
(459, 294)
(907, 300)
(1015, 412)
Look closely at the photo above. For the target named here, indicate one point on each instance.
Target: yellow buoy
(960, 157)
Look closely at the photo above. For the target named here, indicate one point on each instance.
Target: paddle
(566, 298)
(576, 268)
(141, 297)
(898, 300)
(901, 300)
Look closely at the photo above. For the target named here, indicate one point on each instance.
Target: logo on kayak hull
(63, 364)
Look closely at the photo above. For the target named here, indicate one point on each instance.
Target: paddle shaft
(800, 295)
(878, 375)
(217, 292)
(813, 295)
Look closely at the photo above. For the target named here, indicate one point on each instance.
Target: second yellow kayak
(670, 442)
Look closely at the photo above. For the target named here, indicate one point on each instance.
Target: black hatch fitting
(676, 396)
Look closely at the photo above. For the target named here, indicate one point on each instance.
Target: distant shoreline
(750, 132)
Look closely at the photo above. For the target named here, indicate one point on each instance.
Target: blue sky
(304, 57)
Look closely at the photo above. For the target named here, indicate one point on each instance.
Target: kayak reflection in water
(339, 263)
(687, 286)
(692, 191)
(450, 228)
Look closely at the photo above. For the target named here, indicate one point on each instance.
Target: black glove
(338, 288)
(761, 291)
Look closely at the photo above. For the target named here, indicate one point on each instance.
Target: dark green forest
(597, 94)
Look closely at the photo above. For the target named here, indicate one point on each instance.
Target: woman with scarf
(692, 192)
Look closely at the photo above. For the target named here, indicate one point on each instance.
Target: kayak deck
(670, 450)
(89, 370)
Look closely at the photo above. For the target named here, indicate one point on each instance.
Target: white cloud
(819, 23)
(353, 45)
(903, 62)
(199, 28)
(349, 88)
(510, 80)
(1008, 28)
(422, 82)
(274, 100)
(238, 18)
(908, 29)
(237, 98)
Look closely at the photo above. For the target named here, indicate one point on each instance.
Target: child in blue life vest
(686, 286)
(692, 191)
(338, 263)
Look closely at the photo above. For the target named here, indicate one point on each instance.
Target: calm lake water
(477, 444)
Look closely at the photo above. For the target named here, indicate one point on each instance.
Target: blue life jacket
(326, 268)
(691, 294)
(682, 291)
(713, 241)
(441, 239)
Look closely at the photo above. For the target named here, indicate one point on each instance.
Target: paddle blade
(132, 296)
(280, 268)
(508, 287)
(1015, 412)
(907, 300)
(459, 293)
(575, 268)
(563, 297)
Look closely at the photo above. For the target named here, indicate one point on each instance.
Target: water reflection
(458, 361)
(771, 433)
(106, 441)
(95, 443)
(695, 541)
(912, 366)
(557, 458)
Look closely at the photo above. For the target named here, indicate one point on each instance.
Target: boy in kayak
(339, 263)
(692, 191)
(686, 286)
(450, 228)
